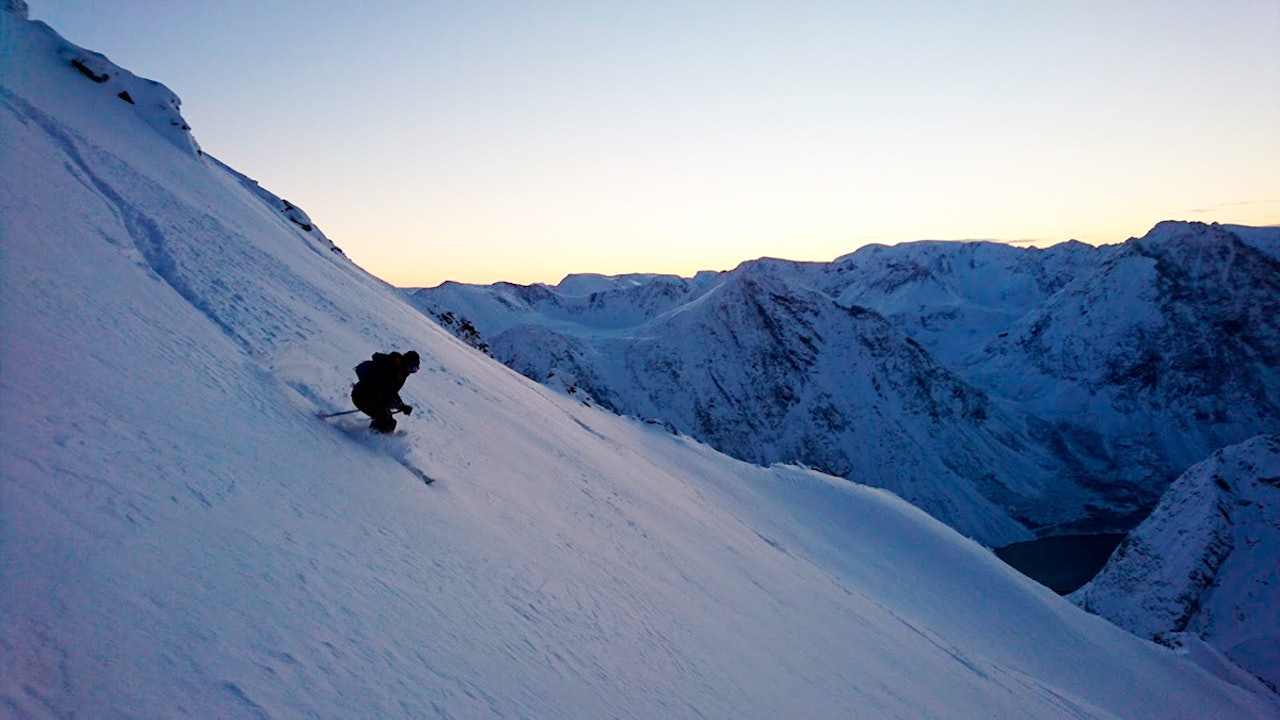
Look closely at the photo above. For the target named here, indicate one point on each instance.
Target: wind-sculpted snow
(1204, 563)
(181, 536)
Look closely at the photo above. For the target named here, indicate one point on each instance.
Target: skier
(377, 392)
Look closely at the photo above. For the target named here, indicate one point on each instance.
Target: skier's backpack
(364, 370)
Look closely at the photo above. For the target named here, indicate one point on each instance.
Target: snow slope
(1204, 563)
(180, 536)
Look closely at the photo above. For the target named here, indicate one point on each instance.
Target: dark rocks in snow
(79, 64)
(156, 104)
(296, 216)
(288, 210)
(464, 330)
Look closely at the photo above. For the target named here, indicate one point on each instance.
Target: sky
(504, 141)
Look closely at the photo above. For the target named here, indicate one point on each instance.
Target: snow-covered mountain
(955, 297)
(180, 536)
(1004, 390)
(1173, 342)
(1204, 563)
(769, 371)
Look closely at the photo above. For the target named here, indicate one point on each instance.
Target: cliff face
(1170, 345)
(1205, 562)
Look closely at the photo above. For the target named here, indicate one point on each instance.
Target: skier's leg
(360, 398)
(382, 421)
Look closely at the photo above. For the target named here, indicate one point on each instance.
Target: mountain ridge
(1203, 563)
(1106, 360)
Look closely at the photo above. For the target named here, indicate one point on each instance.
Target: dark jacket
(381, 378)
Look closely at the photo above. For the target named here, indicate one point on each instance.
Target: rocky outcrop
(1204, 562)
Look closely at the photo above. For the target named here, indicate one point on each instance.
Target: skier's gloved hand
(407, 410)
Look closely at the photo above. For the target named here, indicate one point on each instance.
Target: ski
(425, 478)
(362, 433)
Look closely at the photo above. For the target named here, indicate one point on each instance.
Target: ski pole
(345, 412)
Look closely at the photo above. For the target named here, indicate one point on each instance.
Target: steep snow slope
(1204, 563)
(180, 536)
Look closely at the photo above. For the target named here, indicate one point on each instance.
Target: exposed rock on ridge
(1204, 562)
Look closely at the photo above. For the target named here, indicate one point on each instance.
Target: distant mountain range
(1011, 392)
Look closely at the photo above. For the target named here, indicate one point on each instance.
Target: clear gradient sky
(521, 141)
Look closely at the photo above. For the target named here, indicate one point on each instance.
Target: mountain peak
(113, 89)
